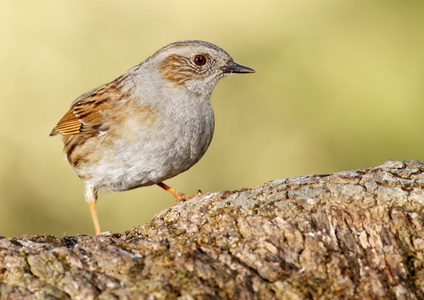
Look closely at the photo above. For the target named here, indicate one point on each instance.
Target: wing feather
(87, 112)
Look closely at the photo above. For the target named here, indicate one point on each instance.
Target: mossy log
(348, 235)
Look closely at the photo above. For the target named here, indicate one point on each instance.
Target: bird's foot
(180, 197)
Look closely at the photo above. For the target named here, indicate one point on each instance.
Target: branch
(355, 234)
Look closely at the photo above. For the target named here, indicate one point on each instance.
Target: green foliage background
(339, 85)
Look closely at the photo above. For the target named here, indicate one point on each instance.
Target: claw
(179, 197)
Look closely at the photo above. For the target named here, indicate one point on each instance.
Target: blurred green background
(339, 86)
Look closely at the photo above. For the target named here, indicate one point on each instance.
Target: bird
(150, 124)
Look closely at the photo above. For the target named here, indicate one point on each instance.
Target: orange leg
(91, 198)
(179, 197)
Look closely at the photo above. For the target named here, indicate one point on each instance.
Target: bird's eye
(199, 60)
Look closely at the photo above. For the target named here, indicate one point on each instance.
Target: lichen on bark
(349, 235)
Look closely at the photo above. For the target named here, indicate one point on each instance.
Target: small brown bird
(150, 124)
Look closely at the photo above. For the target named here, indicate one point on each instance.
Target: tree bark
(348, 235)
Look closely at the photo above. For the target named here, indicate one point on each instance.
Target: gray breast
(170, 146)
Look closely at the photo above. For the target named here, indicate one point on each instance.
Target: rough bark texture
(348, 235)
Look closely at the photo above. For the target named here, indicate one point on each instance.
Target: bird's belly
(145, 160)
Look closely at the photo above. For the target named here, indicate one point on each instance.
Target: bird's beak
(233, 67)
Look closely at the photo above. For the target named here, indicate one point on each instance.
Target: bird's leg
(179, 197)
(91, 198)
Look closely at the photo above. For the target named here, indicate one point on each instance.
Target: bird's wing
(88, 112)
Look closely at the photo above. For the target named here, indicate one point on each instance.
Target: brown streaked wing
(85, 115)
(69, 124)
